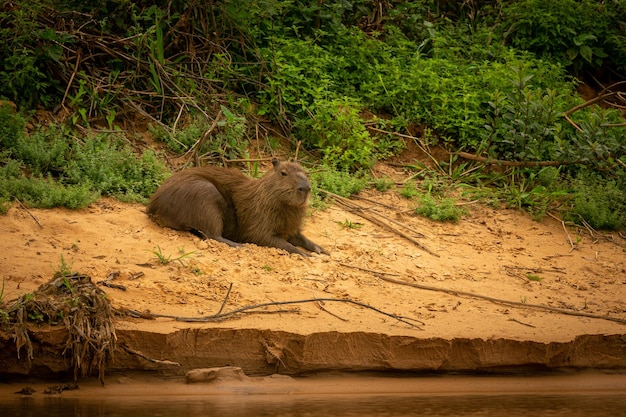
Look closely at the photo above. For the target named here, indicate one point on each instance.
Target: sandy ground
(490, 253)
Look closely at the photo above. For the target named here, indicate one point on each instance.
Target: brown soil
(489, 253)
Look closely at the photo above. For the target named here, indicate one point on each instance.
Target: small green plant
(267, 268)
(166, 259)
(338, 131)
(532, 277)
(409, 190)
(112, 168)
(383, 184)
(36, 316)
(342, 183)
(64, 269)
(599, 202)
(439, 208)
(347, 224)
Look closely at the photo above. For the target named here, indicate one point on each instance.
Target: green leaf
(586, 52)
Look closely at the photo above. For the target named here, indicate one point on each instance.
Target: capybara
(230, 207)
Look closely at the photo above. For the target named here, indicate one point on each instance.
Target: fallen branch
(28, 211)
(324, 309)
(141, 355)
(230, 288)
(377, 219)
(522, 323)
(247, 309)
(502, 302)
(107, 282)
(602, 96)
(520, 164)
(587, 103)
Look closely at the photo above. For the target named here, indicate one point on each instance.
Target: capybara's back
(188, 200)
(225, 205)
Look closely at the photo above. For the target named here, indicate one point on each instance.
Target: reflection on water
(316, 405)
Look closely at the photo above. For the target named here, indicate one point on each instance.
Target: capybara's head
(289, 183)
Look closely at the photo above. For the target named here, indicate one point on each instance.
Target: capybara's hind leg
(195, 204)
(212, 216)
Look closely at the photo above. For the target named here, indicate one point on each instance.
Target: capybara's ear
(275, 162)
(293, 160)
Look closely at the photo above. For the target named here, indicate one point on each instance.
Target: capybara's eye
(283, 173)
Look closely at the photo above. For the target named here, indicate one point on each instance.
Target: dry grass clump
(73, 300)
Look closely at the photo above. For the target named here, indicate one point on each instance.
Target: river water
(579, 395)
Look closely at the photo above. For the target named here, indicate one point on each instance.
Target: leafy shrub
(337, 130)
(579, 34)
(27, 51)
(440, 209)
(112, 168)
(337, 182)
(227, 141)
(62, 172)
(44, 151)
(598, 201)
(45, 192)
(383, 184)
(409, 190)
(11, 126)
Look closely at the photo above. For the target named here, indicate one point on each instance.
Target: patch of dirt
(492, 254)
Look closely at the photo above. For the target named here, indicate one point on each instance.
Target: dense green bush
(111, 167)
(50, 168)
(598, 201)
(440, 209)
(582, 34)
(346, 79)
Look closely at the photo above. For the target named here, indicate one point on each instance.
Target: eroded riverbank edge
(266, 352)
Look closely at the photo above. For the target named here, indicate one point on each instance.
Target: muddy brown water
(339, 395)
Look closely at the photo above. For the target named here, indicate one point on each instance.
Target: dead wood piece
(503, 302)
(324, 309)
(379, 220)
(517, 164)
(522, 323)
(107, 282)
(136, 275)
(254, 307)
(141, 355)
(112, 285)
(29, 212)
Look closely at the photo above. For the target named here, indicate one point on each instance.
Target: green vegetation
(347, 224)
(439, 209)
(408, 190)
(494, 83)
(166, 259)
(51, 167)
(383, 184)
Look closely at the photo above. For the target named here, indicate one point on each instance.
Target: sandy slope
(489, 252)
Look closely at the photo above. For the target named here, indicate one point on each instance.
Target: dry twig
(503, 302)
(569, 238)
(29, 212)
(379, 220)
(252, 309)
(141, 355)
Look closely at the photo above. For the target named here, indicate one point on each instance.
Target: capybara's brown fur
(226, 205)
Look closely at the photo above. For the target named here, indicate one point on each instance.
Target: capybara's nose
(303, 185)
